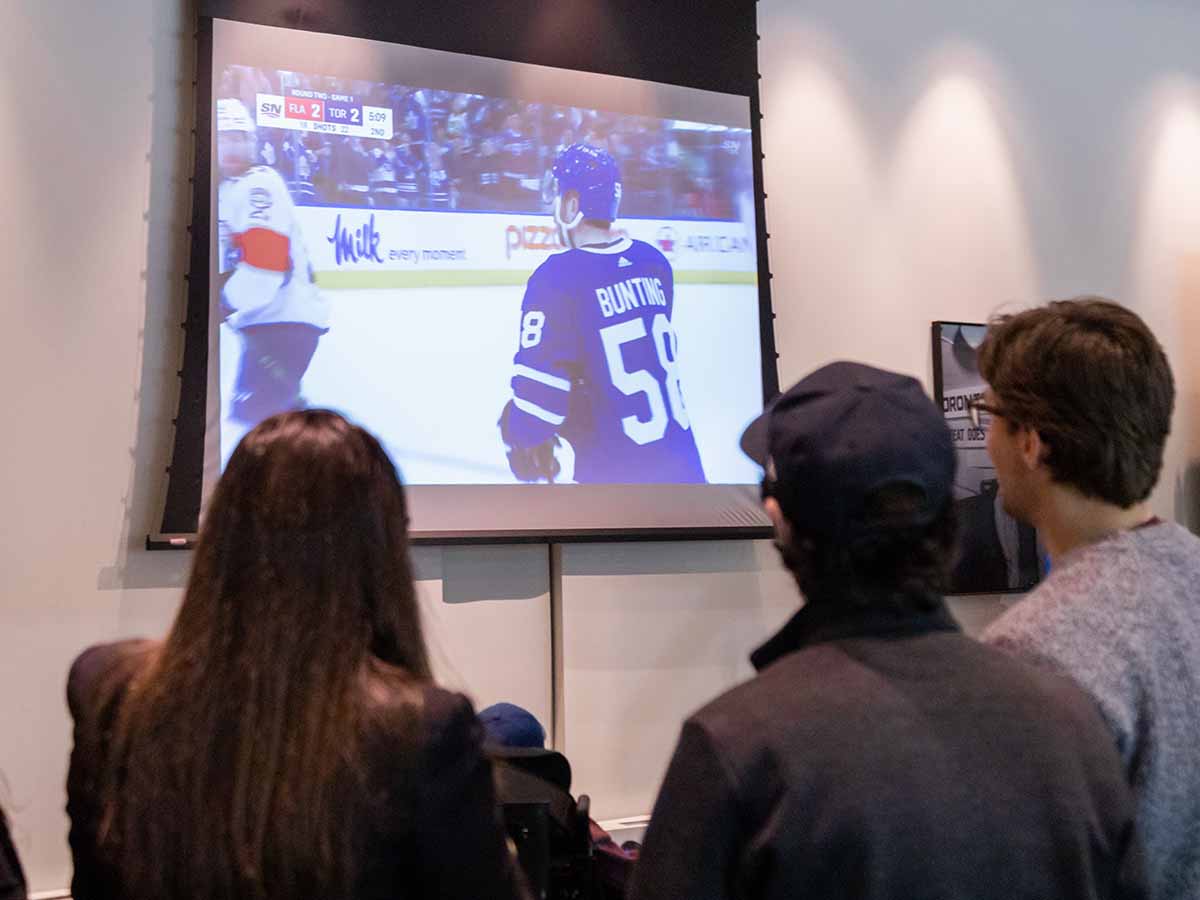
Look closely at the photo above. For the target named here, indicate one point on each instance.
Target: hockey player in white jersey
(267, 291)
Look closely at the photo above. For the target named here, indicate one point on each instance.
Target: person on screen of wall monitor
(268, 295)
(596, 375)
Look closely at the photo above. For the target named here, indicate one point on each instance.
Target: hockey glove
(536, 463)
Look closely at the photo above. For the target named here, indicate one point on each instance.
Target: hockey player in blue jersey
(597, 359)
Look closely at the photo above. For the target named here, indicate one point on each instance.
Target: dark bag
(551, 829)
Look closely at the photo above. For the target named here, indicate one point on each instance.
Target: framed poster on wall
(997, 553)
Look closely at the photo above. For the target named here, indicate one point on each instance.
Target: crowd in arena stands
(470, 152)
(287, 739)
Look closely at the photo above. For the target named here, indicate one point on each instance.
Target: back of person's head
(1091, 379)
(236, 769)
(859, 469)
(902, 559)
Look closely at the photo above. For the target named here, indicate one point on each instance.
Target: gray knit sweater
(1122, 618)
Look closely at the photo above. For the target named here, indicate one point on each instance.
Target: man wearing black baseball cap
(879, 752)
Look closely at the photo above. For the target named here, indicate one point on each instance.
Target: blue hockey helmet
(594, 174)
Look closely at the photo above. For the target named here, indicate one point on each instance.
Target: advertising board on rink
(369, 248)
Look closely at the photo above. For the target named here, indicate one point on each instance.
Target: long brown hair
(235, 769)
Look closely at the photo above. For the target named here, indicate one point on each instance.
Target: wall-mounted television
(538, 287)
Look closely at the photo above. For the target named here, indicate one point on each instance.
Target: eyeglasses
(976, 409)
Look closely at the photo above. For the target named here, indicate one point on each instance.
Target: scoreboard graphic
(302, 110)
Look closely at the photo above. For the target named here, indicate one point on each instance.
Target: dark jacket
(444, 842)
(536, 775)
(880, 755)
(12, 879)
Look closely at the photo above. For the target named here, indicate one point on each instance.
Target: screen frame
(185, 476)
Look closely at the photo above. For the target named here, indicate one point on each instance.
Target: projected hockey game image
(504, 290)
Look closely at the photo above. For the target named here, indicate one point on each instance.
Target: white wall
(650, 633)
(924, 160)
(949, 160)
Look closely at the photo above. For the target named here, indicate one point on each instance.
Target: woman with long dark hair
(285, 740)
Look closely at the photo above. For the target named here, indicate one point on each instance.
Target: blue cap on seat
(512, 726)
